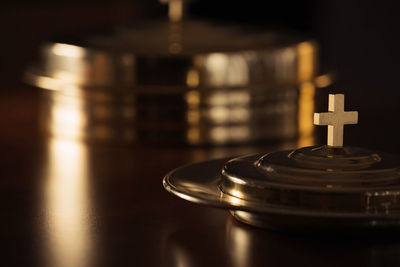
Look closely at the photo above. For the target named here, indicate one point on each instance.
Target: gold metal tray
(307, 188)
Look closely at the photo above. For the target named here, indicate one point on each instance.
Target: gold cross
(336, 118)
(176, 9)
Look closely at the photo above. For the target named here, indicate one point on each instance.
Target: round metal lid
(328, 186)
(183, 54)
(316, 182)
(317, 179)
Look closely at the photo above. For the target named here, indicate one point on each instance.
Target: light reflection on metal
(181, 257)
(226, 70)
(67, 117)
(193, 98)
(228, 97)
(234, 116)
(176, 9)
(77, 116)
(65, 63)
(219, 114)
(229, 115)
(48, 83)
(222, 135)
(305, 115)
(193, 135)
(192, 78)
(175, 45)
(244, 93)
(323, 81)
(284, 66)
(235, 201)
(244, 60)
(239, 245)
(307, 64)
(233, 197)
(236, 193)
(66, 50)
(67, 77)
(67, 205)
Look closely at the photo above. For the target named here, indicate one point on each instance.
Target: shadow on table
(239, 245)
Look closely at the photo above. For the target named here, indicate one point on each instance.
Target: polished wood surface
(66, 203)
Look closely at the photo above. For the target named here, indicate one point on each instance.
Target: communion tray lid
(185, 54)
(311, 187)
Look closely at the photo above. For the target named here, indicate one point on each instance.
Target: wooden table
(66, 203)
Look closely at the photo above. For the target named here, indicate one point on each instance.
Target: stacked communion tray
(188, 82)
(325, 187)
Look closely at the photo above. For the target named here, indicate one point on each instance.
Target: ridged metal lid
(317, 179)
(306, 188)
(183, 54)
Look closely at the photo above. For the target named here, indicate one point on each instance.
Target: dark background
(359, 44)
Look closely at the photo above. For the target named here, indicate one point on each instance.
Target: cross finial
(176, 9)
(336, 118)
